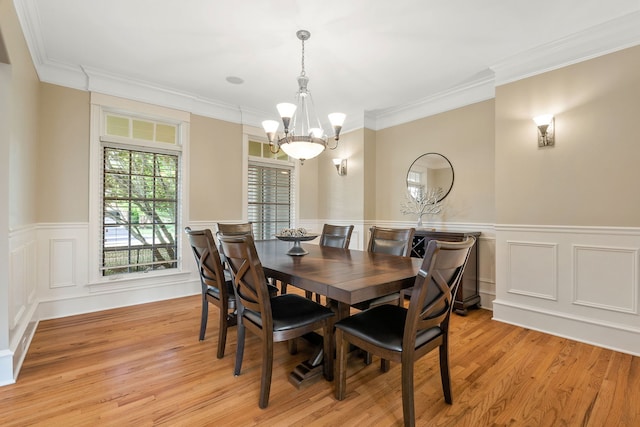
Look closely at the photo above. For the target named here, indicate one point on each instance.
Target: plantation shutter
(270, 204)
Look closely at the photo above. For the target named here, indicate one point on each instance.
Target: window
(414, 186)
(137, 192)
(140, 194)
(270, 191)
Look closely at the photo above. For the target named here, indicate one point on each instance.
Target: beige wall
(590, 176)
(215, 170)
(369, 188)
(23, 100)
(341, 197)
(466, 137)
(308, 191)
(63, 155)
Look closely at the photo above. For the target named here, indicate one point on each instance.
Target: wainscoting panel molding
(23, 300)
(580, 283)
(533, 269)
(606, 278)
(18, 291)
(62, 256)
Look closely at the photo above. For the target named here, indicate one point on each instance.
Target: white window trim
(100, 104)
(257, 134)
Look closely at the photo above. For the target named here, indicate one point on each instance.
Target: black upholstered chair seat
(215, 292)
(384, 326)
(291, 311)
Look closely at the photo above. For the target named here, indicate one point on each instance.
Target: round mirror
(430, 177)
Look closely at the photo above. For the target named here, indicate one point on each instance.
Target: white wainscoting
(576, 282)
(22, 303)
(63, 276)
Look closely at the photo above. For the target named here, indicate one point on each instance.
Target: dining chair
(235, 229)
(241, 229)
(216, 288)
(396, 333)
(273, 319)
(336, 236)
(333, 236)
(392, 241)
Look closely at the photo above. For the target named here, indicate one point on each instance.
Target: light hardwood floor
(144, 365)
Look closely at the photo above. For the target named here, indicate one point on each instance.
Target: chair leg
(341, 365)
(385, 365)
(328, 341)
(444, 373)
(240, 347)
(267, 368)
(408, 408)
(293, 346)
(204, 317)
(222, 333)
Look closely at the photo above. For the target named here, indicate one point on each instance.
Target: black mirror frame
(453, 175)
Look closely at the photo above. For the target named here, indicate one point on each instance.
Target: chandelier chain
(302, 73)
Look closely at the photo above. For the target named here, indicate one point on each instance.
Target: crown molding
(605, 38)
(477, 90)
(608, 37)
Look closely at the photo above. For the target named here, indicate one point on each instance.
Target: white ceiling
(368, 58)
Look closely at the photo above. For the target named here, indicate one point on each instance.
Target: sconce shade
(341, 166)
(544, 119)
(546, 130)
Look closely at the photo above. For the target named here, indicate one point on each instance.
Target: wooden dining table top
(345, 276)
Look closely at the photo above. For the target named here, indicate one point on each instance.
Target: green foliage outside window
(140, 209)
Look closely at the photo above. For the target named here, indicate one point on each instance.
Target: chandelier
(303, 137)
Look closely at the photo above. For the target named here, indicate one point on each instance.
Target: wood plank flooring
(144, 366)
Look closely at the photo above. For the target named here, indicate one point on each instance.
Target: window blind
(270, 199)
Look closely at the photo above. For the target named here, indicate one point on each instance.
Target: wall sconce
(546, 130)
(341, 166)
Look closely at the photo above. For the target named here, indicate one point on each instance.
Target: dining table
(344, 276)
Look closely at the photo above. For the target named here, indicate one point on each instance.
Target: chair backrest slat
(235, 229)
(207, 259)
(336, 236)
(433, 293)
(249, 279)
(392, 241)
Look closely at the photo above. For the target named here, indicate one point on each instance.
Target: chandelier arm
(334, 147)
(274, 145)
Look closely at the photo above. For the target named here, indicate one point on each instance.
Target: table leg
(308, 371)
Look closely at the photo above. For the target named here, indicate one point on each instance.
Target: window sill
(138, 281)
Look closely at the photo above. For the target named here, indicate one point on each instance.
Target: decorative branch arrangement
(428, 203)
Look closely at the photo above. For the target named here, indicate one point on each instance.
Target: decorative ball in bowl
(296, 235)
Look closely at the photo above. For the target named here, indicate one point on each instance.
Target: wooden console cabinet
(468, 294)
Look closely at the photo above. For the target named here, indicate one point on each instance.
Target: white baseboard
(90, 303)
(615, 337)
